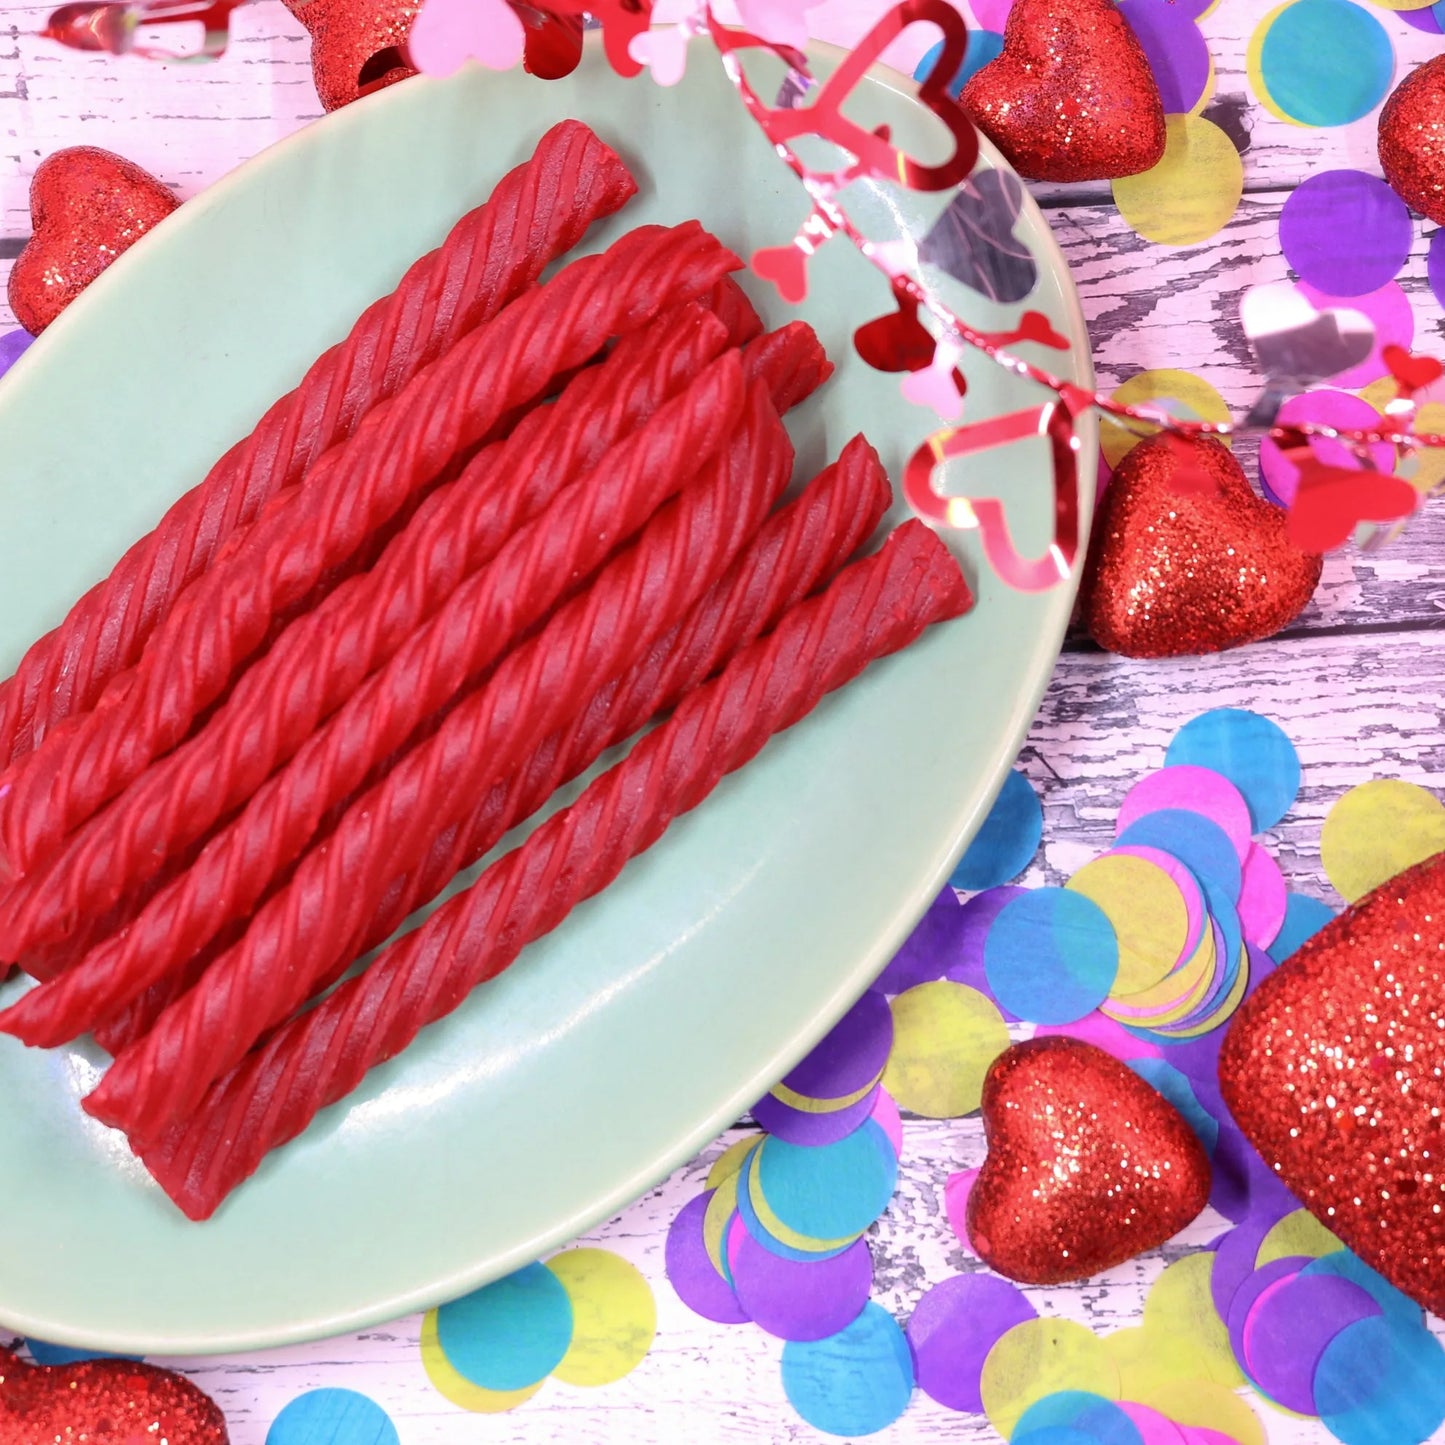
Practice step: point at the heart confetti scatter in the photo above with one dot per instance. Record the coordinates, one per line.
(1173, 573)
(87, 206)
(1071, 97)
(1087, 1165)
(1333, 1072)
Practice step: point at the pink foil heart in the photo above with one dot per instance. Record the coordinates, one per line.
(447, 33)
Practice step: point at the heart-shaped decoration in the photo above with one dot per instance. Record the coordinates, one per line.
(357, 46)
(899, 341)
(1175, 571)
(1297, 344)
(86, 207)
(1087, 1165)
(974, 240)
(1414, 373)
(447, 33)
(1333, 1071)
(1071, 96)
(1412, 140)
(1332, 501)
(104, 1402)
(786, 267)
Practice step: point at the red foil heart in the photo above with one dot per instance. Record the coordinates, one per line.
(1176, 569)
(1087, 1165)
(1412, 139)
(87, 206)
(104, 1402)
(357, 46)
(1071, 96)
(1333, 1070)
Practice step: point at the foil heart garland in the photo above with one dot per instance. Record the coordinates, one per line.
(1087, 1165)
(104, 1402)
(1071, 96)
(1176, 570)
(87, 206)
(1333, 1070)
(1412, 140)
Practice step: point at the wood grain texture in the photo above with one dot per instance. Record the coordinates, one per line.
(1359, 682)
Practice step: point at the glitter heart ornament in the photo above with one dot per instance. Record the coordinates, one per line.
(357, 46)
(104, 1402)
(1176, 570)
(1071, 96)
(1087, 1165)
(87, 206)
(1333, 1070)
(1412, 140)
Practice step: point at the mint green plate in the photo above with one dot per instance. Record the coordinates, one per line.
(620, 1045)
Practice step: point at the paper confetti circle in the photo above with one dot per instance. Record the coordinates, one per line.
(945, 1036)
(1345, 232)
(1051, 956)
(456, 1388)
(1304, 917)
(1377, 829)
(1006, 843)
(795, 1300)
(1176, 51)
(855, 1382)
(1388, 310)
(1320, 62)
(830, 1193)
(1147, 911)
(509, 1334)
(1194, 189)
(1180, 393)
(614, 1316)
(1381, 1382)
(1329, 408)
(332, 1417)
(1299, 1233)
(1038, 1358)
(1249, 749)
(699, 1285)
(954, 1326)
(1091, 1417)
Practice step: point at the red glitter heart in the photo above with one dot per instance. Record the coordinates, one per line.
(1087, 1165)
(86, 207)
(1071, 96)
(357, 46)
(103, 1402)
(1333, 1071)
(1176, 571)
(1412, 139)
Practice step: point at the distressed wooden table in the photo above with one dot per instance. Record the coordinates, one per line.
(1358, 682)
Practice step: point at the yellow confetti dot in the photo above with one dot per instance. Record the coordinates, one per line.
(806, 1104)
(1232, 1001)
(1180, 1308)
(720, 1210)
(1299, 1233)
(455, 1387)
(1192, 192)
(731, 1159)
(1254, 66)
(1150, 917)
(945, 1036)
(1375, 830)
(1188, 986)
(1037, 1358)
(1180, 393)
(614, 1316)
(1402, 4)
(1425, 466)
(1203, 1403)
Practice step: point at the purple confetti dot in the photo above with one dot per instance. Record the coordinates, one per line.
(1424, 19)
(797, 1301)
(699, 1286)
(1235, 1253)
(928, 950)
(13, 345)
(851, 1056)
(1243, 1183)
(1175, 48)
(1346, 232)
(1252, 1290)
(954, 1327)
(798, 1126)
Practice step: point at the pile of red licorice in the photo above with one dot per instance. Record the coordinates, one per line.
(500, 528)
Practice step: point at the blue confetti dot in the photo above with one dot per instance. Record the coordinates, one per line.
(1303, 918)
(332, 1417)
(855, 1382)
(983, 46)
(831, 1191)
(1199, 843)
(1394, 1303)
(510, 1334)
(1380, 1382)
(760, 1231)
(1252, 751)
(1326, 62)
(1051, 956)
(1008, 840)
(1097, 1419)
(44, 1353)
(1167, 1080)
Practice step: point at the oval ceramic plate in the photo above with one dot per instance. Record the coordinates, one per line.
(621, 1044)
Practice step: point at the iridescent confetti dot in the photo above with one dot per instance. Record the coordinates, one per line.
(1320, 62)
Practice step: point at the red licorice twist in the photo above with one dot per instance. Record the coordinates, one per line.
(873, 608)
(319, 916)
(357, 488)
(320, 660)
(538, 212)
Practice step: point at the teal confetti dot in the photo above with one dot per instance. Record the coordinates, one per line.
(1092, 1416)
(1051, 956)
(983, 46)
(1326, 62)
(1008, 840)
(1380, 1382)
(1197, 842)
(510, 1334)
(332, 1417)
(1303, 918)
(1395, 1304)
(829, 1191)
(44, 1353)
(855, 1382)
(1252, 751)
